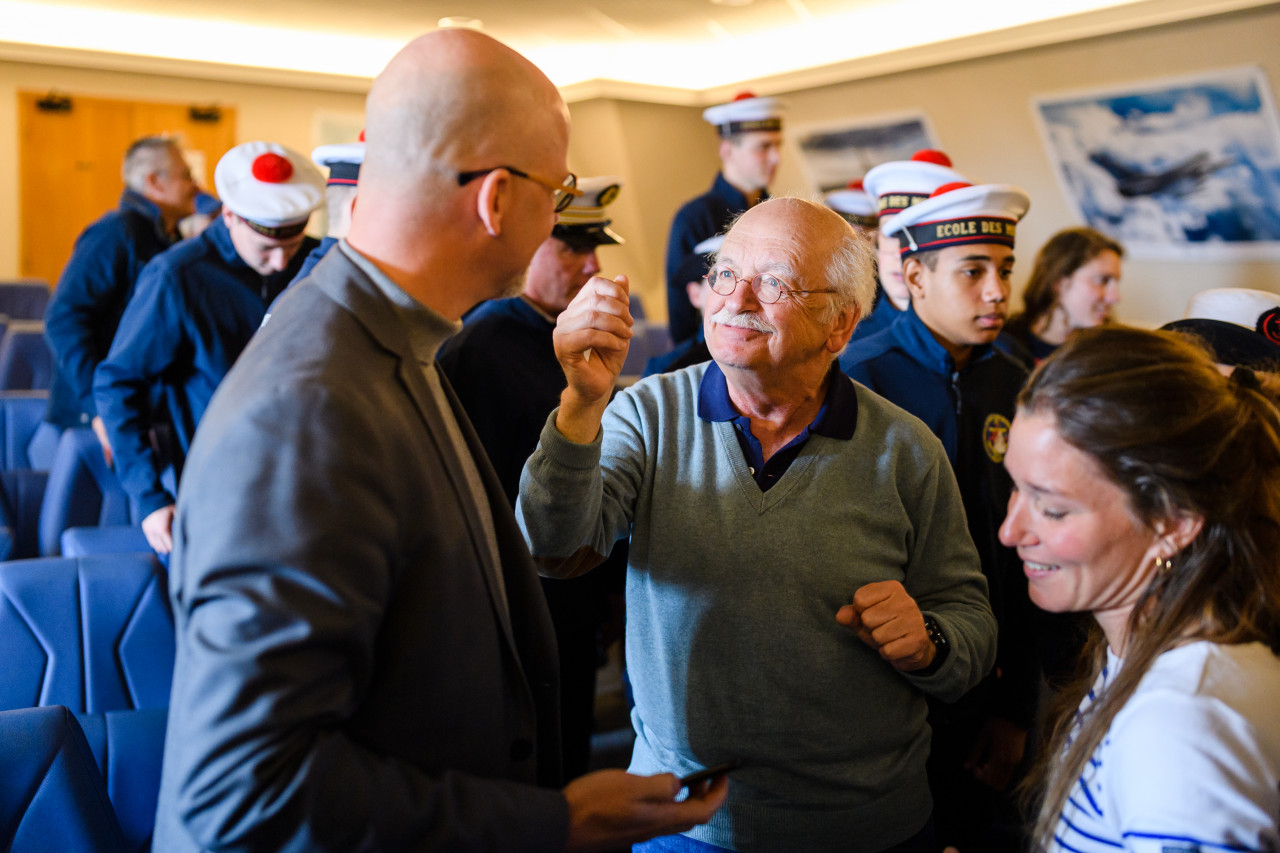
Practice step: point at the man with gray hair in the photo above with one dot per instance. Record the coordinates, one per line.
(364, 656)
(800, 574)
(85, 310)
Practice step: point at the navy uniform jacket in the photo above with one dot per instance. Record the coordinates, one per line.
(313, 257)
(702, 217)
(194, 310)
(883, 314)
(503, 367)
(85, 310)
(970, 411)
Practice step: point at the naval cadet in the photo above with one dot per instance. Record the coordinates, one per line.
(194, 310)
(99, 278)
(937, 362)
(750, 130)
(895, 186)
(343, 162)
(857, 206)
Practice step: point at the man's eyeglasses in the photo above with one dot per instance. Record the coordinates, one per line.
(565, 191)
(768, 288)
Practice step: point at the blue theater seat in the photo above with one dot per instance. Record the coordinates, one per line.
(81, 491)
(24, 298)
(107, 539)
(27, 440)
(92, 633)
(647, 340)
(52, 794)
(26, 361)
(128, 747)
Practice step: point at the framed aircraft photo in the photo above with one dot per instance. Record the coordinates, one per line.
(836, 152)
(1185, 167)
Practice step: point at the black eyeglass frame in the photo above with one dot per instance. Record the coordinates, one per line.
(783, 287)
(565, 191)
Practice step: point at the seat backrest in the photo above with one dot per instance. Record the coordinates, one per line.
(92, 633)
(81, 491)
(27, 440)
(23, 495)
(104, 539)
(26, 361)
(129, 746)
(52, 794)
(24, 299)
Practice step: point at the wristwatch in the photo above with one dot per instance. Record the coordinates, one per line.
(941, 646)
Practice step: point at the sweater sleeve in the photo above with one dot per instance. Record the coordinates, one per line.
(945, 578)
(569, 537)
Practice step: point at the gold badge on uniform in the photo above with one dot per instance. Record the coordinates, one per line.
(995, 437)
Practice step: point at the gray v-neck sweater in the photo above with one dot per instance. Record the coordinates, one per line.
(732, 645)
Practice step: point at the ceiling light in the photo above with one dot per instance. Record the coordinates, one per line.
(733, 2)
(462, 22)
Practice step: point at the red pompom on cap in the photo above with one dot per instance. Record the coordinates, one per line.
(855, 184)
(932, 155)
(361, 135)
(946, 188)
(744, 96)
(271, 168)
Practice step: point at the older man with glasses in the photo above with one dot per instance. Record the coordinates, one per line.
(800, 575)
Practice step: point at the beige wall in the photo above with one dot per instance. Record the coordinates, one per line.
(283, 115)
(982, 113)
(666, 155)
(980, 109)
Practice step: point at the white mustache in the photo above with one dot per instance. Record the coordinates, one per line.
(743, 320)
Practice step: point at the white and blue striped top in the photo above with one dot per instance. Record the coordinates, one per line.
(1191, 764)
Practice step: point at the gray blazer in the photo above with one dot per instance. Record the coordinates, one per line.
(346, 677)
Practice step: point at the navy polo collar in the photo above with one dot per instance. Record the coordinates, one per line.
(838, 417)
(920, 342)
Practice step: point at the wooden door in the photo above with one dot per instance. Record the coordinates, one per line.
(69, 165)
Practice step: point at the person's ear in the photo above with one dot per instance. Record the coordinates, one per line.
(913, 275)
(1176, 533)
(492, 200)
(845, 323)
(228, 217)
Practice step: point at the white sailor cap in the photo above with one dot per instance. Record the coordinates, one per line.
(1239, 325)
(584, 223)
(854, 203)
(744, 114)
(898, 184)
(343, 161)
(270, 187)
(959, 214)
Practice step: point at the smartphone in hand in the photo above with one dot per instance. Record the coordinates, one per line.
(710, 773)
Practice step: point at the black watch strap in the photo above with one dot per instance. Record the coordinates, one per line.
(941, 645)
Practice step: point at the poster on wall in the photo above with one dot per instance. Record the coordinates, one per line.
(834, 153)
(1185, 167)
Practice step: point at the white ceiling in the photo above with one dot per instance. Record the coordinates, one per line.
(677, 51)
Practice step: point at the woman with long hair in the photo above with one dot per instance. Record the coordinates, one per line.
(1074, 285)
(1147, 492)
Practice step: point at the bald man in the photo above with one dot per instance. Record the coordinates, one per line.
(364, 656)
